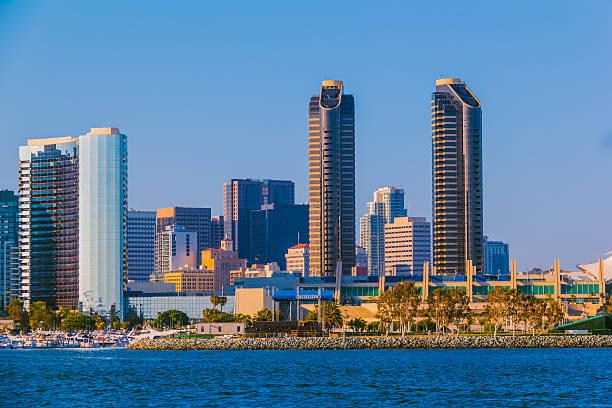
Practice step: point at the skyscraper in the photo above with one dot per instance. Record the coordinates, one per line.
(140, 245)
(9, 260)
(175, 248)
(240, 197)
(49, 222)
(193, 219)
(457, 177)
(274, 229)
(102, 220)
(407, 245)
(388, 203)
(331, 180)
(497, 257)
(216, 231)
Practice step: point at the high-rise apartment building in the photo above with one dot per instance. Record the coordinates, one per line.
(274, 229)
(497, 257)
(9, 260)
(457, 177)
(407, 245)
(298, 259)
(102, 220)
(49, 222)
(72, 220)
(240, 197)
(175, 248)
(216, 231)
(140, 245)
(331, 180)
(388, 203)
(193, 219)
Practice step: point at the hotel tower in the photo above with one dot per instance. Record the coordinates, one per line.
(331, 180)
(457, 178)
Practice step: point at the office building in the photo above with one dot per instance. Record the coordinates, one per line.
(457, 178)
(331, 180)
(388, 203)
(497, 257)
(9, 259)
(102, 220)
(222, 261)
(191, 280)
(193, 219)
(255, 271)
(274, 229)
(216, 231)
(49, 222)
(361, 256)
(175, 248)
(240, 197)
(407, 245)
(140, 245)
(297, 259)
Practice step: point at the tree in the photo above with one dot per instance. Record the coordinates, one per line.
(171, 318)
(385, 310)
(331, 315)
(357, 324)
(16, 312)
(133, 317)
(263, 315)
(554, 314)
(76, 321)
(279, 315)
(40, 316)
(242, 318)
(440, 308)
(222, 301)
(100, 323)
(215, 300)
(460, 307)
(212, 316)
(495, 310)
(536, 310)
(405, 299)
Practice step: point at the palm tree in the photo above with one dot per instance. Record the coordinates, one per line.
(222, 301)
(215, 300)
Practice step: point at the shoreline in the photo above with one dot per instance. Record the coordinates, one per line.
(378, 343)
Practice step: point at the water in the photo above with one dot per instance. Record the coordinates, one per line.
(473, 378)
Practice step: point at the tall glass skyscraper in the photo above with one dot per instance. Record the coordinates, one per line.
(387, 205)
(497, 257)
(49, 222)
(240, 197)
(331, 180)
(457, 177)
(9, 260)
(102, 220)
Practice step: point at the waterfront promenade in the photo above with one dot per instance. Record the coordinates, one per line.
(355, 343)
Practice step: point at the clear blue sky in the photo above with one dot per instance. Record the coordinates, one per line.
(207, 91)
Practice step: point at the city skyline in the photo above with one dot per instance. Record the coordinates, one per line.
(533, 155)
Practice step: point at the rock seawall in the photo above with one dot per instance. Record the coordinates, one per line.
(356, 343)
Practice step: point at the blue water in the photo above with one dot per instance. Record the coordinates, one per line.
(365, 378)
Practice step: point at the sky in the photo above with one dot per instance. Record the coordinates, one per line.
(208, 91)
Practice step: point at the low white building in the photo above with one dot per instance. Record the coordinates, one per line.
(298, 258)
(220, 329)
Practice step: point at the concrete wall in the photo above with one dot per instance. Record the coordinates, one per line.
(251, 300)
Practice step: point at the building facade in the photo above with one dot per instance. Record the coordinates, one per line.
(297, 259)
(193, 219)
(102, 220)
(140, 245)
(407, 245)
(49, 222)
(191, 280)
(222, 261)
(240, 197)
(331, 180)
(216, 231)
(274, 229)
(388, 203)
(9, 259)
(457, 178)
(497, 257)
(175, 248)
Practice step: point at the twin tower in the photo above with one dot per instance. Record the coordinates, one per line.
(456, 178)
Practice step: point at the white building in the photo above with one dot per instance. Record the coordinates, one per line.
(102, 219)
(298, 259)
(388, 203)
(407, 245)
(175, 248)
